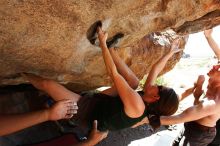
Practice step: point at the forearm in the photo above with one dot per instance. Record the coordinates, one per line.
(214, 46)
(191, 114)
(124, 70)
(187, 93)
(196, 101)
(13, 123)
(170, 120)
(109, 63)
(157, 68)
(185, 116)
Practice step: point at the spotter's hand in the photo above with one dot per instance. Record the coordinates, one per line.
(64, 109)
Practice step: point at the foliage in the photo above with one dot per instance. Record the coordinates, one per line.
(160, 81)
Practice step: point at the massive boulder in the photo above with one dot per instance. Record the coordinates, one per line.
(51, 37)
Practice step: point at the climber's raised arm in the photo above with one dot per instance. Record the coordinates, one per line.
(133, 103)
(160, 64)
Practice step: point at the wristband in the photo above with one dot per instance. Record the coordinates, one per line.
(154, 121)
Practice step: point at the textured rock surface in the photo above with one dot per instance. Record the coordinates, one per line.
(49, 37)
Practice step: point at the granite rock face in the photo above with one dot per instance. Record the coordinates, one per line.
(51, 37)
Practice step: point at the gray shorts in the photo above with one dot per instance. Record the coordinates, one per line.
(194, 134)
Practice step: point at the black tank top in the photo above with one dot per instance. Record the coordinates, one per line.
(110, 114)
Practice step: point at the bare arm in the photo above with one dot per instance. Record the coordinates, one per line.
(160, 64)
(212, 43)
(196, 90)
(16, 122)
(8, 122)
(124, 71)
(186, 93)
(132, 101)
(94, 138)
(191, 114)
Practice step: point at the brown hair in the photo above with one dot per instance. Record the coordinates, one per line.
(167, 104)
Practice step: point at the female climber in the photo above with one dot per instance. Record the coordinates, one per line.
(120, 106)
